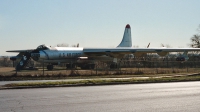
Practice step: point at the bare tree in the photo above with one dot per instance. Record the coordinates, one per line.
(195, 41)
(75, 45)
(198, 29)
(166, 45)
(62, 45)
(135, 46)
(4, 61)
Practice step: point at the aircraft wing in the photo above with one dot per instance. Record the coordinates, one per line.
(133, 50)
(21, 51)
(106, 51)
(115, 51)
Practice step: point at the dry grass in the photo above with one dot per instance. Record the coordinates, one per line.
(9, 71)
(103, 81)
(6, 69)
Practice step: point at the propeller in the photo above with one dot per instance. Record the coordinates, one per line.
(162, 45)
(148, 45)
(77, 45)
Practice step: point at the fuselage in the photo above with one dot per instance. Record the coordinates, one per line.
(64, 55)
(57, 54)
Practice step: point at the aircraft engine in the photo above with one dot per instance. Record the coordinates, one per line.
(139, 54)
(13, 58)
(162, 53)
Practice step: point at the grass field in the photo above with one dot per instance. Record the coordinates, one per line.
(102, 82)
(60, 73)
(128, 75)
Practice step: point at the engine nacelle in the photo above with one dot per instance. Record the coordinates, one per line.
(13, 58)
(162, 53)
(139, 54)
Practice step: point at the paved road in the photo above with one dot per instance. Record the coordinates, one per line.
(181, 96)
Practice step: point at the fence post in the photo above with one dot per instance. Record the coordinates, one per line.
(43, 67)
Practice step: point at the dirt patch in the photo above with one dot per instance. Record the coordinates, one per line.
(6, 69)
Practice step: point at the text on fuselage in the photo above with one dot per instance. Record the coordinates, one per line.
(69, 54)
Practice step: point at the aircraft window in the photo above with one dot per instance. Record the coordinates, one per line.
(42, 47)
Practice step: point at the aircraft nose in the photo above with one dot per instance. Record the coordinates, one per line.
(35, 56)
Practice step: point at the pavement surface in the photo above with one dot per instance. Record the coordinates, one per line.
(153, 97)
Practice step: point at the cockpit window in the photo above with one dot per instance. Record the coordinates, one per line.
(42, 47)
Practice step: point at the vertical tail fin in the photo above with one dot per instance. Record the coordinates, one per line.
(126, 41)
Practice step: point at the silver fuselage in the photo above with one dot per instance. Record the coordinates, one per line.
(65, 55)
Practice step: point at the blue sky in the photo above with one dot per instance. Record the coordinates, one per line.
(25, 24)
